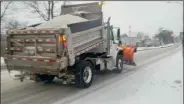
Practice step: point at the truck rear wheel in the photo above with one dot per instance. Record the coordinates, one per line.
(119, 64)
(83, 74)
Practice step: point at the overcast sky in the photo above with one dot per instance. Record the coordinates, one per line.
(143, 16)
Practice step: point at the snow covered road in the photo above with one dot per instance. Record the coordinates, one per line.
(159, 83)
(109, 87)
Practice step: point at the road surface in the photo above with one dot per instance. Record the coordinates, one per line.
(29, 92)
(158, 83)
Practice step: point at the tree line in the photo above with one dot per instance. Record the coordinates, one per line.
(166, 36)
(45, 10)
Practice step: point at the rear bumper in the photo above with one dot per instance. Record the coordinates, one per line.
(35, 66)
(30, 70)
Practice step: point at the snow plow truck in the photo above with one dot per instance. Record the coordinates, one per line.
(70, 47)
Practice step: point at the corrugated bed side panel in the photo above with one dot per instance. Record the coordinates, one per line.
(86, 35)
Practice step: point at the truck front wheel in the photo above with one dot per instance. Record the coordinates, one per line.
(119, 64)
(83, 74)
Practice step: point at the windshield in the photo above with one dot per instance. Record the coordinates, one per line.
(114, 34)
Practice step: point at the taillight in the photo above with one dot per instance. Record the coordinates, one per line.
(62, 39)
(65, 44)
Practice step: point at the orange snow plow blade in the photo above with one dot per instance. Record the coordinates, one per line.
(128, 54)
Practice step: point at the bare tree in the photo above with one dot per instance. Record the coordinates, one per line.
(35, 6)
(12, 24)
(160, 29)
(15, 24)
(4, 8)
(45, 9)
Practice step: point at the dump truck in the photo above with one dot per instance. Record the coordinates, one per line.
(71, 47)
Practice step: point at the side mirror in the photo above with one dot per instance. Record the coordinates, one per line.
(108, 19)
(118, 36)
(118, 33)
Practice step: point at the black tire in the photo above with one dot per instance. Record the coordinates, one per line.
(47, 78)
(80, 70)
(135, 50)
(119, 66)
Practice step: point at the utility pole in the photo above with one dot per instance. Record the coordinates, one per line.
(130, 35)
(130, 30)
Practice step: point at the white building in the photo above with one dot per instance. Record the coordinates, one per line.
(129, 40)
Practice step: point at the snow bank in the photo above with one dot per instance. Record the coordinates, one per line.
(149, 48)
(2, 61)
(3, 65)
(146, 48)
(169, 45)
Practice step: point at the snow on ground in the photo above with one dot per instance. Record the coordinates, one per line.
(168, 45)
(2, 61)
(148, 48)
(158, 83)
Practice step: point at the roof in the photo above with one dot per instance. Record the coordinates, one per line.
(61, 21)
